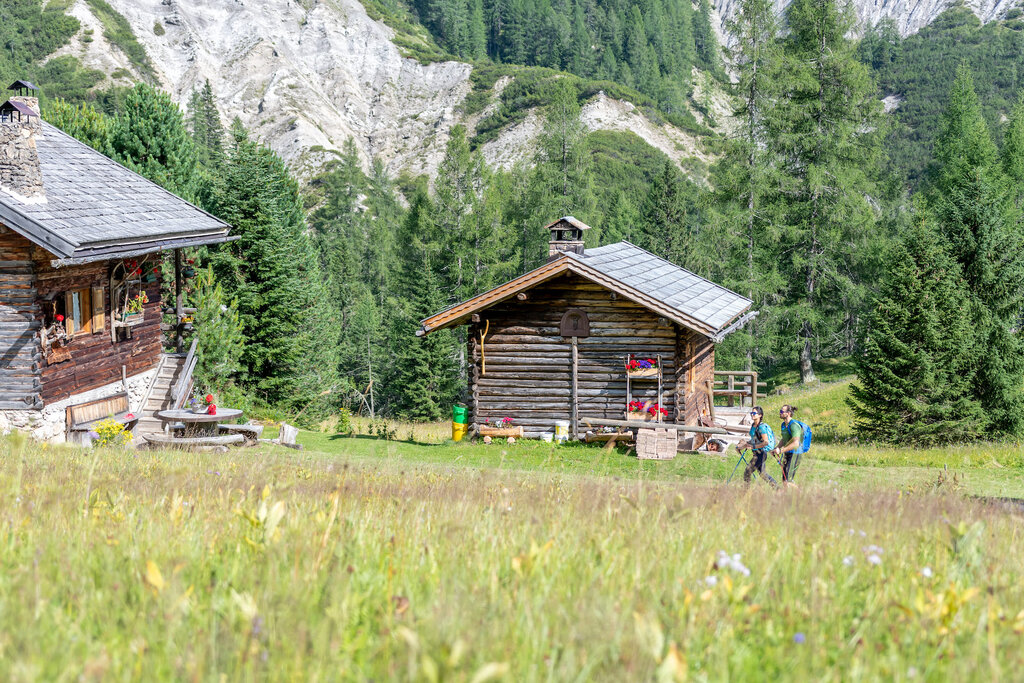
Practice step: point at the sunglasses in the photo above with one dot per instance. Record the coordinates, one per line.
(754, 412)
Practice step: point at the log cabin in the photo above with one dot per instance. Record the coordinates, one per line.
(80, 255)
(554, 344)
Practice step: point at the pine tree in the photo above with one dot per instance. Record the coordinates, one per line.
(290, 325)
(205, 125)
(704, 39)
(743, 214)
(978, 218)
(622, 220)
(81, 122)
(149, 137)
(561, 183)
(917, 356)
(1013, 150)
(825, 132)
(425, 366)
(219, 330)
(664, 228)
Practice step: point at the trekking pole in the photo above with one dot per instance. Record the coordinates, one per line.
(743, 458)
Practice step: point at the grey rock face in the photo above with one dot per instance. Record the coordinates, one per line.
(910, 16)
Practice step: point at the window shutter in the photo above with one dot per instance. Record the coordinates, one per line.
(69, 318)
(97, 310)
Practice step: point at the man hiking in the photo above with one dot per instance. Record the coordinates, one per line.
(791, 443)
(762, 440)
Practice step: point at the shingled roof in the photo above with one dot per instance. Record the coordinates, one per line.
(632, 272)
(96, 209)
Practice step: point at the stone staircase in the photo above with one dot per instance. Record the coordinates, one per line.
(171, 367)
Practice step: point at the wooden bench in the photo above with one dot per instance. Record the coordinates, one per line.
(250, 432)
(198, 443)
(82, 418)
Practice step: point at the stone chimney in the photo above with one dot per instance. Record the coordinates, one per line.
(566, 237)
(20, 175)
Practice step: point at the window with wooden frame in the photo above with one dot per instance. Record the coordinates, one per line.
(83, 311)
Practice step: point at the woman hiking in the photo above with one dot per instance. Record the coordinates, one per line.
(762, 440)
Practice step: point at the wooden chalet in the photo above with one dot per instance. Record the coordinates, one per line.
(553, 344)
(80, 240)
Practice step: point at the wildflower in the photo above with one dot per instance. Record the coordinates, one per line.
(711, 580)
(926, 572)
(799, 638)
(848, 561)
(94, 435)
(874, 559)
(873, 549)
(912, 672)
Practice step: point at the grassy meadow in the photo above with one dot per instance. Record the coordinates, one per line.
(360, 558)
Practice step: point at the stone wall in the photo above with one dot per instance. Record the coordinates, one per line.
(20, 174)
(48, 424)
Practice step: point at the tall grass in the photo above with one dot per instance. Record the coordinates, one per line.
(259, 564)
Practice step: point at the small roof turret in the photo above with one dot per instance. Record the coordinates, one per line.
(21, 87)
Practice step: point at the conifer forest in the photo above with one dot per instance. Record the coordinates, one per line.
(894, 236)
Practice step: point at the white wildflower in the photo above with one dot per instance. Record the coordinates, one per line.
(711, 580)
(926, 572)
(874, 559)
(848, 560)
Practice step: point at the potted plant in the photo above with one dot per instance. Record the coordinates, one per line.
(152, 275)
(202, 405)
(645, 411)
(190, 269)
(642, 367)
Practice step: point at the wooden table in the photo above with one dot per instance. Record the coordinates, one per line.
(202, 430)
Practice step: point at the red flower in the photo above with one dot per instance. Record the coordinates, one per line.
(60, 318)
(156, 271)
(129, 416)
(209, 398)
(212, 410)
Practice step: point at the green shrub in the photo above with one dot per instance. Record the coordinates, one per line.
(158, 28)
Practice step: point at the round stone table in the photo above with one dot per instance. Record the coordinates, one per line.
(199, 424)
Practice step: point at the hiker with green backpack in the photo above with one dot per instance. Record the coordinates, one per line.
(794, 441)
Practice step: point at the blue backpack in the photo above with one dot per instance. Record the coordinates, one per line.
(764, 430)
(805, 445)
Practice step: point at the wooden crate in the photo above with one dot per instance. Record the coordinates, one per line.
(656, 444)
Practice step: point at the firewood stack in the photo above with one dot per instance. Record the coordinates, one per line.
(656, 444)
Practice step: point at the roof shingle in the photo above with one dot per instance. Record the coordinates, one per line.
(96, 206)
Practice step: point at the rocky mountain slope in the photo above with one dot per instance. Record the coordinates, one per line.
(910, 16)
(305, 76)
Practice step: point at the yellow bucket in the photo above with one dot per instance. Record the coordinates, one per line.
(458, 431)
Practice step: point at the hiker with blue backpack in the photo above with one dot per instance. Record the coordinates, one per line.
(762, 440)
(794, 441)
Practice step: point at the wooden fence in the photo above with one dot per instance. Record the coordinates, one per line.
(743, 385)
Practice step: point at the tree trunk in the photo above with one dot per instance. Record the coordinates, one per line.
(806, 367)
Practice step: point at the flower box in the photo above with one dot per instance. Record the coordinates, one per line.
(643, 372)
(641, 417)
(201, 410)
(517, 432)
(132, 319)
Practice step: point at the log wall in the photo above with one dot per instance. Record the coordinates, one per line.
(26, 280)
(529, 365)
(20, 384)
(95, 360)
